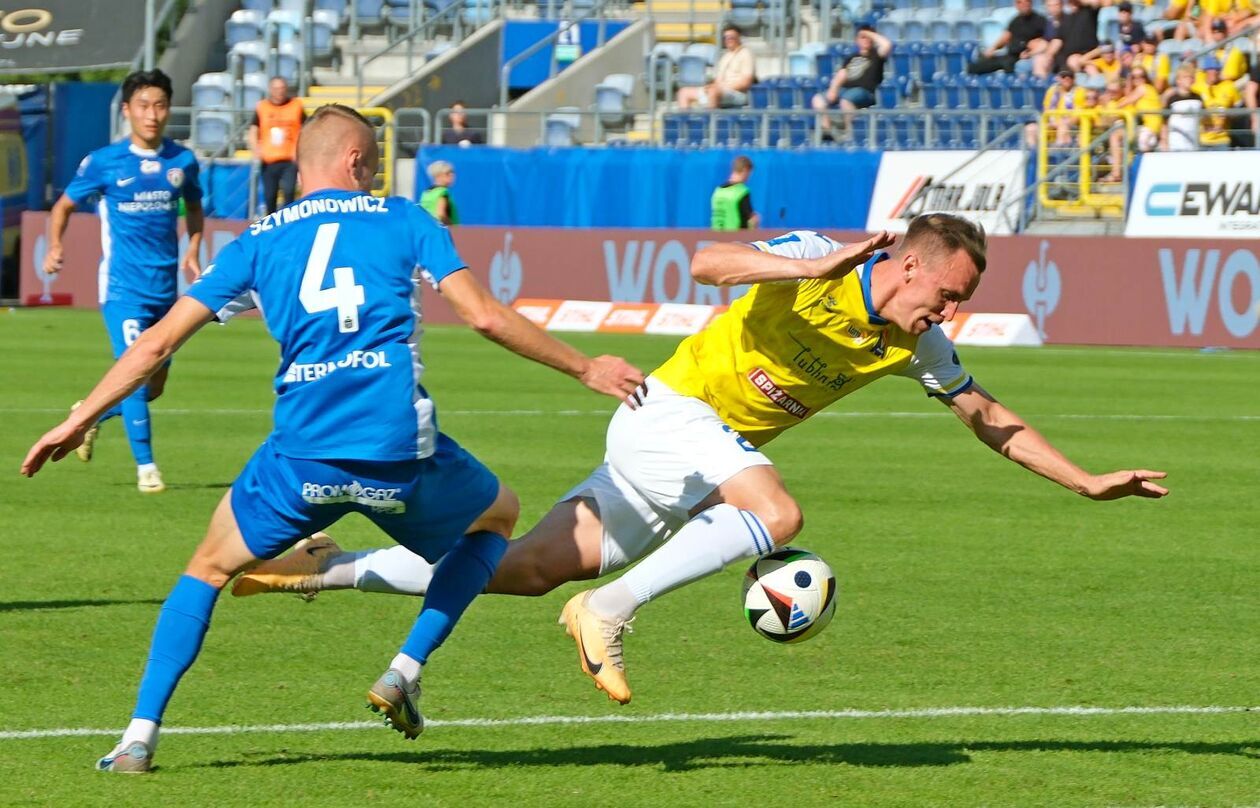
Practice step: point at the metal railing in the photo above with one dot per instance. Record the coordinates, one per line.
(422, 28)
(598, 10)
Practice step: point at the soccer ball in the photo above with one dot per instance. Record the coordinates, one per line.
(789, 595)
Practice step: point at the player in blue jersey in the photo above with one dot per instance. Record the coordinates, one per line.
(138, 184)
(337, 274)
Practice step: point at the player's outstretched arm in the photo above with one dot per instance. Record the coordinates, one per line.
(133, 368)
(474, 304)
(1009, 435)
(730, 263)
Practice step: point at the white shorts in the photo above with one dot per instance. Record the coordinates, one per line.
(662, 460)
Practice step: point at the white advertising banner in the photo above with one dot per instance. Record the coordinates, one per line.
(977, 185)
(1213, 194)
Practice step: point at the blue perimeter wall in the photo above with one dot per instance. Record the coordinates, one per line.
(644, 187)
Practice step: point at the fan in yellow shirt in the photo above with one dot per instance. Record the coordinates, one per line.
(683, 458)
(1218, 94)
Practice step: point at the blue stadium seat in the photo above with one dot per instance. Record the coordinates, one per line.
(253, 57)
(792, 130)
(370, 12)
(695, 129)
(253, 89)
(956, 56)
(965, 29)
(244, 25)
(561, 127)
(940, 30)
(890, 29)
(759, 96)
(901, 56)
(786, 94)
(860, 131)
(212, 130)
(324, 24)
(931, 95)
(973, 95)
(914, 29)
(1021, 95)
(671, 130)
(925, 61)
(612, 97)
(994, 94)
(213, 90)
(886, 95)
(827, 64)
(951, 91)
(978, 5)
(691, 70)
(341, 7)
(257, 5)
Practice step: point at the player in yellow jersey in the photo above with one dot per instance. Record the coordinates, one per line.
(684, 459)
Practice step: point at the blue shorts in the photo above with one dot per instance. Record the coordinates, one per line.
(424, 505)
(126, 321)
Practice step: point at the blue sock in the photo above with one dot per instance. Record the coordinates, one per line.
(461, 575)
(181, 627)
(135, 412)
(112, 412)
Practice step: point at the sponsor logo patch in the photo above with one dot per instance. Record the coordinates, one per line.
(762, 381)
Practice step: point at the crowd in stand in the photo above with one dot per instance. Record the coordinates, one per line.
(1154, 78)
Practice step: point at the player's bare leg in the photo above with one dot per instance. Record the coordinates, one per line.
(181, 626)
(745, 516)
(564, 546)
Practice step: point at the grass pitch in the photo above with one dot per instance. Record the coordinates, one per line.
(964, 582)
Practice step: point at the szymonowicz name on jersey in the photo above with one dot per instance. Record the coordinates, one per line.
(309, 372)
(309, 207)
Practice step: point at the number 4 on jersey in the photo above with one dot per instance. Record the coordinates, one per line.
(345, 295)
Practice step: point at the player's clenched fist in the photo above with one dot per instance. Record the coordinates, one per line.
(53, 259)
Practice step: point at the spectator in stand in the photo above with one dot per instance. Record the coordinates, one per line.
(437, 200)
(1131, 31)
(1156, 65)
(735, 72)
(1142, 101)
(1043, 48)
(1218, 94)
(854, 84)
(1251, 95)
(1233, 60)
(731, 204)
(1182, 12)
(1184, 108)
(458, 133)
(1061, 96)
(1012, 45)
(272, 137)
(1233, 15)
(1078, 34)
(1102, 61)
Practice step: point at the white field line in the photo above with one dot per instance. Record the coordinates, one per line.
(844, 414)
(659, 718)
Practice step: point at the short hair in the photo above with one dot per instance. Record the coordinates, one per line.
(146, 78)
(734, 28)
(338, 111)
(949, 233)
(439, 167)
(458, 102)
(281, 78)
(742, 163)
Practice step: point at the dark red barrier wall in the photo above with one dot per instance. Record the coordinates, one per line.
(1103, 291)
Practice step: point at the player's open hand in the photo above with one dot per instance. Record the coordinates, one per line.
(1119, 484)
(612, 376)
(53, 259)
(58, 442)
(842, 262)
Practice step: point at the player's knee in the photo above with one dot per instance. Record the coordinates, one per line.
(783, 518)
(208, 572)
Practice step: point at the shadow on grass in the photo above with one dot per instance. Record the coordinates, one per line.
(45, 605)
(741, 752)
(183, 486)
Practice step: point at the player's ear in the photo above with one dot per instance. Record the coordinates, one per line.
(909, 265)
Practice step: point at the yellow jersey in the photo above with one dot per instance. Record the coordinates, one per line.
(787, 349)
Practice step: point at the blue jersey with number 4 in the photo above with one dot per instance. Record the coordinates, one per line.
(337, 276)
(139, 192)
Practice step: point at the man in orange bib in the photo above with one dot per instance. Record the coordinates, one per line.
(273, 136)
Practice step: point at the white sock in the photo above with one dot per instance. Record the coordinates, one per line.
(144, 467)
(143, 730)
(408, 667)
(706, 544)
(394, 570)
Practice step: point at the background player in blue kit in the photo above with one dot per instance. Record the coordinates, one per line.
(338, 275)
(139, 182)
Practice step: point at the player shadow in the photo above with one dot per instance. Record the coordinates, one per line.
(743, 752)
(185, 486)
(46, 605)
